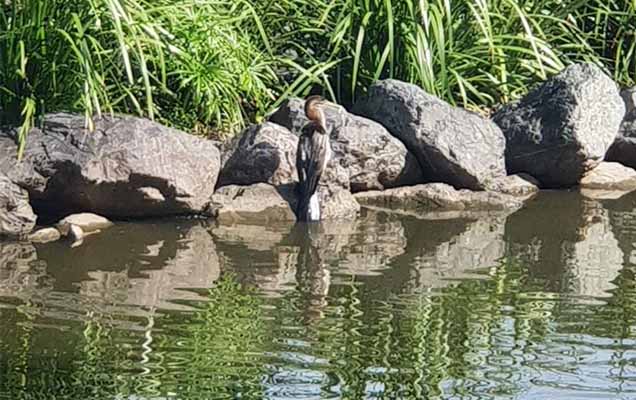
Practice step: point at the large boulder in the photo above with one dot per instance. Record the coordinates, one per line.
(453, 145)
(372, 157)
(264, 153)
(623, 150)
(125, 167)
(564, 127)
(16, 215)
(438, 200)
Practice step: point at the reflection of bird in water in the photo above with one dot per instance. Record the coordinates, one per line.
(312, 274)
(312, 157)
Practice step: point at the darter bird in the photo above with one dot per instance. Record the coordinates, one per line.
(312, 157)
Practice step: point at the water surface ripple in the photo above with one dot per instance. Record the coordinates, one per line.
(537, 304)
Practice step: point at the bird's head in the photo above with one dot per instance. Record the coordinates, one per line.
(314, 110)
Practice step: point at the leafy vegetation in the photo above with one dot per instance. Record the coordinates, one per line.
(210, 66)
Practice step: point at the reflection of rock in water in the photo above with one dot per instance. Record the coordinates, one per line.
(194, 265)
(568, 241)
(258, 255)
(377, 239)
(595, 260)
(536, 234)
(441, 251)
(268, 256)
(622, 214)
(21, 274)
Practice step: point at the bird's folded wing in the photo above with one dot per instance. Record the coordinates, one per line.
(311, 160)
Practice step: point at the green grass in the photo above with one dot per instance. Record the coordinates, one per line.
(212, 66)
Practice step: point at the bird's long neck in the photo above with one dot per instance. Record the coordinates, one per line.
(321, 121)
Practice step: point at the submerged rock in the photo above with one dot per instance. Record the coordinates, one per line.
(371, 156)
(608, 181)
(264, 153)
(438, 200)
(452, 145)
(45, 235)
(87, 221)
(126, 167)
(563, 128)
(16, 215)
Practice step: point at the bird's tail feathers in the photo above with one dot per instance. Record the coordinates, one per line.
(308, 207)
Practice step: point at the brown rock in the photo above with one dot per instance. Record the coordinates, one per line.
(16, 215)
(372, 158)
(609, 180)
(438, 200)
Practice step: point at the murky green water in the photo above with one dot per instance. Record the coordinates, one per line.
(539, 304)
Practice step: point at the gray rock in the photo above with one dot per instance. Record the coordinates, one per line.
(608, 181)
(86, 221)
(519, 185)
(372, 157)
(264, 153)
(16, 215)
(623, 150)
(453, 145)
(264, 203)
(438, 201)
(629, 97)
(126, 167)
(45, 235)
(260, 202)
(336, 200)
(564, 127)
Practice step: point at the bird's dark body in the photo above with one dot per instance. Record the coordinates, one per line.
(311, 159)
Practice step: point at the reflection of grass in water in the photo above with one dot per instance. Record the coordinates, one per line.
(422, 346)
(414, 346)
(219, 346)
(225, 342)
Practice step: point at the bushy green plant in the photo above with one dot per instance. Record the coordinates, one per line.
(188, 63)
(214, 65)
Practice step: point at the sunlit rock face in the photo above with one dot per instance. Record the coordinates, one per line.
(16, 215)
(452, 145)
(263, 153)
(257, 203)
(125, 167)
(372, 158)
(561, 130)
(623, 150)
(461, 248)
(609, 180)
(439, 201)
(593, 261)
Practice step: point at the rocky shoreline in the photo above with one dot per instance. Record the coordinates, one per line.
(400, 149)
